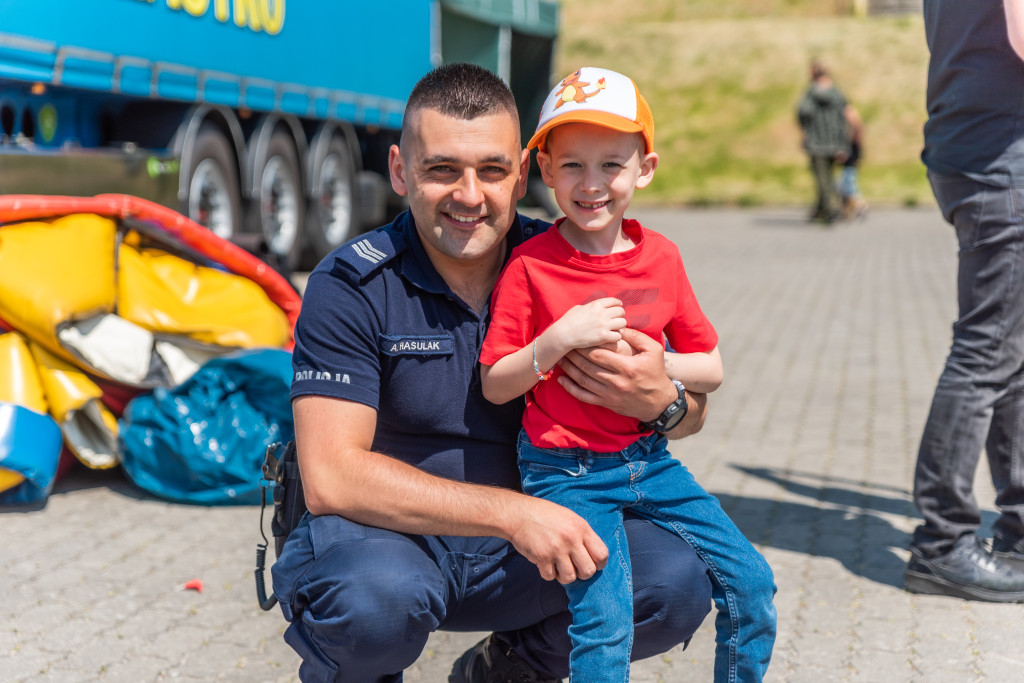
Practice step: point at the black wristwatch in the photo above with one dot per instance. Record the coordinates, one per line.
(671, 416)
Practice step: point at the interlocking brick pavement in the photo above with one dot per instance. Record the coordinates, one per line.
(832, 339)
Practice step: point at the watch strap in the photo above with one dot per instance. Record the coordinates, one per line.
(672, 415)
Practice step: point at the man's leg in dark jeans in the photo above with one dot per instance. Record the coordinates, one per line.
(977, 399)
(362, 601)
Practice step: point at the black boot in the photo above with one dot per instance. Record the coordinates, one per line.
(1008, 551)
(493, 661)
(967, 571)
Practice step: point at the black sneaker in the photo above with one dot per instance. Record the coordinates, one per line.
(492, 661)
(1009, 552)
(967, 571)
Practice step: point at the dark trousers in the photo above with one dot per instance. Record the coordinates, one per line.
(827, 205)
(979, 400)
(362, 601)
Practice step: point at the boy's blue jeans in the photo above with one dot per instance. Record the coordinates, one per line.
(646, 480)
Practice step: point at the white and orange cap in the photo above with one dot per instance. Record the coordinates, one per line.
(599, 96)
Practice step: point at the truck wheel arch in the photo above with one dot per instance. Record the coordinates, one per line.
(184, 140)
(319, 146)
(277, 151)
(333, 212)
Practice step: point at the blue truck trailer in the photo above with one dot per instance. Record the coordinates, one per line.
(268, 121)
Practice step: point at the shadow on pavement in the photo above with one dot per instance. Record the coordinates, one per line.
(787, 220)
(842, 519)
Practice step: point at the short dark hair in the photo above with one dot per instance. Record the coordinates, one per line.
(462, 91)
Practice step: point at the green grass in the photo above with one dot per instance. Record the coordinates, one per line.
(723, 79)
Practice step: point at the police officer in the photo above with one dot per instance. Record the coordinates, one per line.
(415, 520)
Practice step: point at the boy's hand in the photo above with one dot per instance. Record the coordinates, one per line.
(592, 324)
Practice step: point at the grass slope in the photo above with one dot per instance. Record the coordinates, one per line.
(723, 79)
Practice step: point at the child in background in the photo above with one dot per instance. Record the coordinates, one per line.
(576, 286)
(854, 204)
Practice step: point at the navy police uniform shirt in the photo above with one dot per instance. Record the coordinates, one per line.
(379, 326)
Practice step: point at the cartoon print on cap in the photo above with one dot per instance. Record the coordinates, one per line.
(572, 89)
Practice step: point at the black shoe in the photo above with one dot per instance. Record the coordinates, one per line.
(967, 571)
(492, 661)
(1009, 552)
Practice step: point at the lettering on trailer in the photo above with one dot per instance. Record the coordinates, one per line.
(265, 16)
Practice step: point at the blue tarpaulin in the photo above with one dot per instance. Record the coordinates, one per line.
(204, 440)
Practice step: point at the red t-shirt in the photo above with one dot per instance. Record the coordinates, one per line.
(545, 277)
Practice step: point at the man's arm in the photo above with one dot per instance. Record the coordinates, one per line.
(636, 386)
(1015, 24)
(342, 475)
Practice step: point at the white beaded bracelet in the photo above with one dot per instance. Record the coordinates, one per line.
(536, 368)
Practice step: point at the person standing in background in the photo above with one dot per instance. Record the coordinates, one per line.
(854, 204)
(822, 117)
(974, 151)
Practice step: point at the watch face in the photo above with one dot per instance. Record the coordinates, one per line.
(675, 418)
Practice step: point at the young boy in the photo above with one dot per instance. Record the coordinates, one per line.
(575, 286)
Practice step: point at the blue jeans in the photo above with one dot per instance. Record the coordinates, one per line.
(849, 187)
(362, 601)
(644, 479)
(979, 400)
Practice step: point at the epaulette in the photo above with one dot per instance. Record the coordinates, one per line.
(368, 253)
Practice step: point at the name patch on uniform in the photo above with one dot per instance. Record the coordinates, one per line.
(435, 345)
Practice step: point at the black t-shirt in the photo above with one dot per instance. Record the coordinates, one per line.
(975, 93)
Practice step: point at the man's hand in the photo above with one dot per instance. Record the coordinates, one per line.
(632, 385)
(558, 541)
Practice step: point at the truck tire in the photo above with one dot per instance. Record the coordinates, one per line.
(333, 217)
(278, 203)
(214, 199)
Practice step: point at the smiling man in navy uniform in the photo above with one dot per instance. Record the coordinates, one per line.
(415, 521)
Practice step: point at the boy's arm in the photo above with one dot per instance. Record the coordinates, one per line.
(699, 372)
(583, 326)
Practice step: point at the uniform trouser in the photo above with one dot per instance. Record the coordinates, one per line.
(646, 480)
(979, 400)
(827, 202)
(362, 601)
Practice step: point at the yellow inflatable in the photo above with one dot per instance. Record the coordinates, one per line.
(107, 297)
(20, 385)
(146, 318)
(90, 429)
(166, 294)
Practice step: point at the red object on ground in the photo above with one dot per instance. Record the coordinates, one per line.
(193, 585)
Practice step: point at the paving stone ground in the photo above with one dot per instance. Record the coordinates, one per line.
(832, 338)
